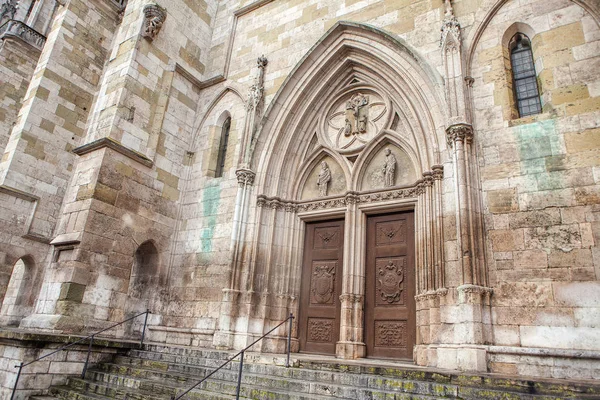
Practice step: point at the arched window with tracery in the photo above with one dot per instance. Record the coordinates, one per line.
(525, 86)
(222, 154)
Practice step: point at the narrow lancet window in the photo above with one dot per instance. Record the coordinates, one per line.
(526, 90)
(223, 148)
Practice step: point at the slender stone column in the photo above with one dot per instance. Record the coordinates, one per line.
(351, 343)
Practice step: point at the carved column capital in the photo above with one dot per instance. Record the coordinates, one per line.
(459, 133)
(437, 172)
(245, 177)
(154, 18)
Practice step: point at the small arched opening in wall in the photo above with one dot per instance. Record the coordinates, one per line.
(20, 292)
(144, 281)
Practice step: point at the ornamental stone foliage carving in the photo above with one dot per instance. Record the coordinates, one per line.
(245, 177)
(354, 119)
(459, 132)
(154, 18)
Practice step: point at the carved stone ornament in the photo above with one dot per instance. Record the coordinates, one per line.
(154, 18)
(450, 27)
(459, 133)
(255, 94)
(245, 177)
(390, 278)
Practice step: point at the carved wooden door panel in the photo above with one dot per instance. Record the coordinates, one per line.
(319, 322)
(390, 323)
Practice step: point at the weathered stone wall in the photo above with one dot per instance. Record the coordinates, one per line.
(540, 184)
(17, 62)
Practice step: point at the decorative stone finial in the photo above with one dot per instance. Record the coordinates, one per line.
(154, 18)
(450, 26)
(255, 94)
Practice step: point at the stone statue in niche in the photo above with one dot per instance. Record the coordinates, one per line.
(357, 114)
(154, 18)
(323, 179)
(389, 169)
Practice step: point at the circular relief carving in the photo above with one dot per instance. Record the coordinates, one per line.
(355, 118)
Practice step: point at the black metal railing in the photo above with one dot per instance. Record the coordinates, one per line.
(241, 354)
(91, 337)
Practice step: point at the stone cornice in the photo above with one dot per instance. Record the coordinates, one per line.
(116, 146)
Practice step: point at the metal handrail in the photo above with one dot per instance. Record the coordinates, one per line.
(241, 354)
(91, 337)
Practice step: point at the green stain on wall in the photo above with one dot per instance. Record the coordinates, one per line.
(539, 142)
(211, 196)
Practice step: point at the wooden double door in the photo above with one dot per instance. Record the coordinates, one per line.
(389, 324)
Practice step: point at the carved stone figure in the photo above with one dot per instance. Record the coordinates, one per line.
(154, 18)
(357, 114)
(323, 179)
(8, 10)
(389, 169)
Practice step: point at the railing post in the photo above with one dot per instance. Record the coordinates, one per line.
(144, 330)
(239, 383)
(12, 396)
(87, 359)
(289, 341)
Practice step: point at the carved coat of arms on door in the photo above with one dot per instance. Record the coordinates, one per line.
(389, 281)
(323, 283)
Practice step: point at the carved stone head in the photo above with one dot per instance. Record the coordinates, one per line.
(154, 18)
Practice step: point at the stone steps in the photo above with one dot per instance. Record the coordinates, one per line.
(157, 372)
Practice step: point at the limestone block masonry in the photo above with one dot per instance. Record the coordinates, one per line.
(174, 155)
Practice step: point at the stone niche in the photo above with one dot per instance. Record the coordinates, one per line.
(373, 178)
(337, 185)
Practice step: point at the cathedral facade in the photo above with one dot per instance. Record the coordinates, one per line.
(414, 180)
